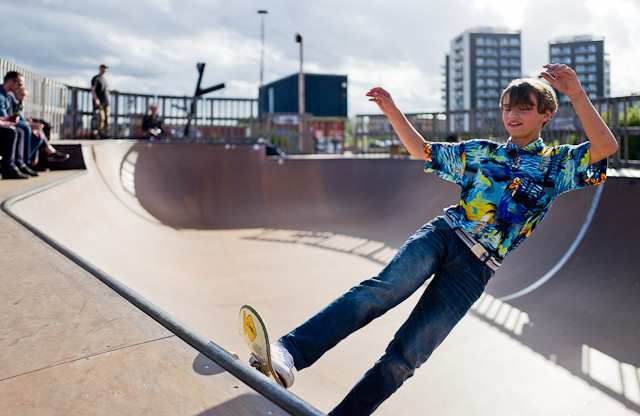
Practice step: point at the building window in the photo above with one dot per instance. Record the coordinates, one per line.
(560, 50)
(510, 62)
(565, 59)
(586, 49)
(585, 58)
(486, 62)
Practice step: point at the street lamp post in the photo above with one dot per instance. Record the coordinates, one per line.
(262, 13)
(301, 103)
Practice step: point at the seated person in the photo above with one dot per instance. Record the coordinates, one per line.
(31, 142)
(38, 135)
(8, 144)
(12, 138)
(152, 126)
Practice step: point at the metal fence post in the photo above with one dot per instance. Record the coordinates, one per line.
(72, 111)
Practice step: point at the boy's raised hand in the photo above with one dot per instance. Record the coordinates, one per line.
(562, 78)
(383, 99)
(602, 142)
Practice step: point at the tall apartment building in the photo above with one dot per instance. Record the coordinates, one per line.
(482, 61)
(585, 54)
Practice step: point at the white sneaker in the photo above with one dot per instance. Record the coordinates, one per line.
(282, 362)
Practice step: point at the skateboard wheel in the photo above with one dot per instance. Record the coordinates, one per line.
(253, 362)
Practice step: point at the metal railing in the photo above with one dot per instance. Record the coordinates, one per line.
(215, 120)
(214, 117)
(373, 132)
(70, 110)
(47, 98)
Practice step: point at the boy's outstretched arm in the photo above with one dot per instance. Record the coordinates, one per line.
(565, 80)
(411, 139)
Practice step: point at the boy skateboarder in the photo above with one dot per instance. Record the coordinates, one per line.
(507, 189)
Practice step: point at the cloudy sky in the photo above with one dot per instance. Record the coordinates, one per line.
(153, 46)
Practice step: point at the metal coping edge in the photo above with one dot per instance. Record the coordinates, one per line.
(248, 375)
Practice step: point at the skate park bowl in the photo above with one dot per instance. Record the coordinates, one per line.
(197, 230)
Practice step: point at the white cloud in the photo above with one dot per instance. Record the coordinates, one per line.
(411, 88)
(153, 46)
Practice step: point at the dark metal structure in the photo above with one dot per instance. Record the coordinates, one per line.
(196, 96)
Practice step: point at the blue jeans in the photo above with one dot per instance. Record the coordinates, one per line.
(31, 142)
(459, 280)
(11, 148)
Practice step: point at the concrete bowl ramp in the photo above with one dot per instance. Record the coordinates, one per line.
(198, 230)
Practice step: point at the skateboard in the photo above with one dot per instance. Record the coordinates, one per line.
(254, 333)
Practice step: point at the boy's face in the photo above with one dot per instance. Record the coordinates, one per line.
(21, 95)
(522, 121)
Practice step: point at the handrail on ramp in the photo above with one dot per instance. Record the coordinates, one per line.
(245, 373)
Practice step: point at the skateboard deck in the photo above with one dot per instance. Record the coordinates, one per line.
(254, 333)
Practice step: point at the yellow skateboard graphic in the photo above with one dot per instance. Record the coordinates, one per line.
(253, 332)
(249, 326)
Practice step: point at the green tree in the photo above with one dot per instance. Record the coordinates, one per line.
(633, 116)
(633, 120)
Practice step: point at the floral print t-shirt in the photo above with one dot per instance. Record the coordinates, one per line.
(506, 191)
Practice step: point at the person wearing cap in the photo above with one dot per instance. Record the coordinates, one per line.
(100, 93)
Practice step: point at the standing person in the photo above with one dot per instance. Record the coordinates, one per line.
(100, 93)
(507, 189)
(13, 141)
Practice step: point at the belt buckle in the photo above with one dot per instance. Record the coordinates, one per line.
(479, 251)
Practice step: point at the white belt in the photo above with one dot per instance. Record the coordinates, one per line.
(476, 248)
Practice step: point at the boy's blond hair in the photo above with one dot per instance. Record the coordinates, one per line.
(519, 92)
